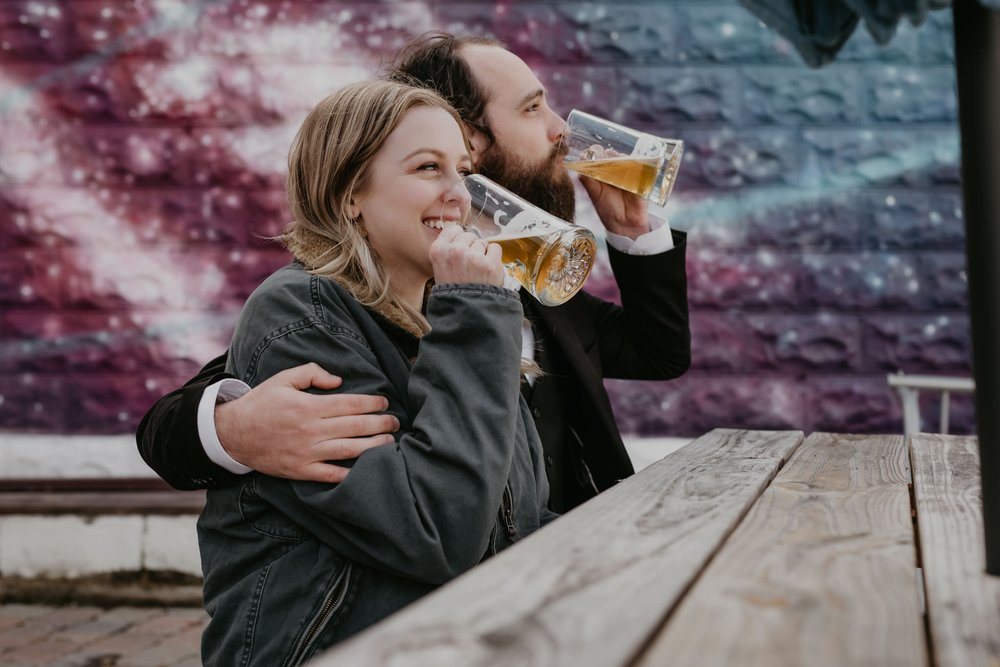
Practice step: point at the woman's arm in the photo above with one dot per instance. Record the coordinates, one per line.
(425, 507)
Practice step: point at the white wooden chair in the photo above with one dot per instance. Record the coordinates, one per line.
(909, 386)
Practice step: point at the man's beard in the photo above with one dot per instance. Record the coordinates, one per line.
(546, 185)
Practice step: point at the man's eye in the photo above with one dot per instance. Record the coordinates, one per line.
(533, 107)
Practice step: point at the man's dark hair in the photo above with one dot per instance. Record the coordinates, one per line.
(432, 61)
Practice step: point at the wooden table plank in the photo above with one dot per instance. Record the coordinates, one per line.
(590, 588)
(963, 602)
(821, 572)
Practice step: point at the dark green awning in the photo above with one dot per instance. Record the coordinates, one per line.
(819, 28)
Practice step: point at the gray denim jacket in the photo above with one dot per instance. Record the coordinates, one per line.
(293, 567)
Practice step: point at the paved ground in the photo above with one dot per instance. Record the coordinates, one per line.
(81, 636)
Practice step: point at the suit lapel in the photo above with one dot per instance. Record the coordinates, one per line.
(560, 328)
(594, 420)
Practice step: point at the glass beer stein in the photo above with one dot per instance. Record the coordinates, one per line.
(550, 257)
(614, 154)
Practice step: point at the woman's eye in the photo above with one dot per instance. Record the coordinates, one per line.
(428, 166)
(465, 171)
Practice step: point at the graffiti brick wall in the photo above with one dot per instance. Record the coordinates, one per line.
(142, 151)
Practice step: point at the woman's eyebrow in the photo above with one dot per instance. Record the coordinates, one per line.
(464, 157)
(425, 150)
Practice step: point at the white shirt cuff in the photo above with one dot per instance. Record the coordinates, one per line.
(658, 239)
(220, 392)
(510, 282)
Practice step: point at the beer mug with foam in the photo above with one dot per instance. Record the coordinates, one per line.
(614, 154)
(550, 257)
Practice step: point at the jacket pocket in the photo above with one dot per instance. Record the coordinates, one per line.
(332, 602)
(263, 518)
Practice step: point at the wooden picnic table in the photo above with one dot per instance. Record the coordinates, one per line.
(741, 548)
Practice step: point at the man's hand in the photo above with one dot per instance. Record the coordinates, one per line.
(621, 212)
(278, 429)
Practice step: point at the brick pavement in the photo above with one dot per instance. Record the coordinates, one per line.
(84, 636)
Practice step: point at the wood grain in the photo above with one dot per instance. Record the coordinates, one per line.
(821, 571)
(963, 602)
(591, 587)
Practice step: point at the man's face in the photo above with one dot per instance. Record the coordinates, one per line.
(524, 157)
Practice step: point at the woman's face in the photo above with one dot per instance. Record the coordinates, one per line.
(410, 191)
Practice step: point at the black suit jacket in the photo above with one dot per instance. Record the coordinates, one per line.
(646, 338)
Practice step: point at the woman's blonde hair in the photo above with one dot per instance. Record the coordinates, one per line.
(329, 163)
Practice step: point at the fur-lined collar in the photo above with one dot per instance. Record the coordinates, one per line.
(313, 251)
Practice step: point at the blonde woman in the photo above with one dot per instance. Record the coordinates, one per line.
(293, 567)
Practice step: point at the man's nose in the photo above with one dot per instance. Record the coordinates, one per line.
(556, 127)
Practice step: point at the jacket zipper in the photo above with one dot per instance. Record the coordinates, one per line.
(332, 603)
(507, 507)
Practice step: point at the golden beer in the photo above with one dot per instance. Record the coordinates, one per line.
(633, 161)
(552, 268)
(628, 173)
(550, 257)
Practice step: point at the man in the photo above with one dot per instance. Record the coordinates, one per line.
(196, 437)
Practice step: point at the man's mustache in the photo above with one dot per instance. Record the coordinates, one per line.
(558, 152)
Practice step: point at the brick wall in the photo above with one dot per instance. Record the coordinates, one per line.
(142, 148)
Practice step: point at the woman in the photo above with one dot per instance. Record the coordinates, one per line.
(293, 567)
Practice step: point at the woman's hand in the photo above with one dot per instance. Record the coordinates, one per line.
(458, 256)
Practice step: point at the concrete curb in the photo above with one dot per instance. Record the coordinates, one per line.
(133, 589)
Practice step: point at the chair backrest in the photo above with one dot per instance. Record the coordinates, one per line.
(909, 386)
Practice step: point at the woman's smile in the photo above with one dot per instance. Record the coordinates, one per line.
(414, 177)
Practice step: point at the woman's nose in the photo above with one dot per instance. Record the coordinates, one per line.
(458, 195)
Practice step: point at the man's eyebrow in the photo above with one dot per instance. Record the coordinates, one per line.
(531, 96)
